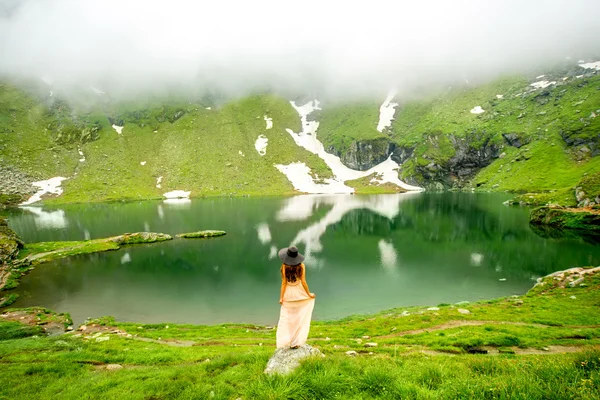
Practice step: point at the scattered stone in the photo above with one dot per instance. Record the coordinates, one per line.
(113, 367)
(476, 350)
(545, 349)
(433, 309)
(576, 282)
(351, 353)
(102, 338)
(366, 337)
(371, 344)
(405, 313)
(464, 311)
(573, 297)
(286, 359)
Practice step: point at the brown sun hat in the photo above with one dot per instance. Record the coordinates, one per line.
(290, 256)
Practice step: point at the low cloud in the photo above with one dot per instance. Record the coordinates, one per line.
(132, 47)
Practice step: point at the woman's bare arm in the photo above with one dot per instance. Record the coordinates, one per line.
(304, 284)
(283, 285)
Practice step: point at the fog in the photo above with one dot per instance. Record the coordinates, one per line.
(344, 49)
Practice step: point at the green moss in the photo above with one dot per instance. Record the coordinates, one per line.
(201, 234)
(342, 124)
(16, 330)
(566, 219)
(365, 186)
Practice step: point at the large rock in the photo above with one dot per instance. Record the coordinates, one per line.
(515, 140)
(467, 160)
(286, 360)
(9, 243)
(364, 155)
(141, 237)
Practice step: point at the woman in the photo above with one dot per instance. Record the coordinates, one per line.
(297, 302)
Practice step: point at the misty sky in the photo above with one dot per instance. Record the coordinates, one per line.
(344, 48)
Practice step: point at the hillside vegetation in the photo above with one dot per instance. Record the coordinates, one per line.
(544, 141)
(206, 151)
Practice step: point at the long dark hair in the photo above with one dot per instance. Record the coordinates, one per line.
(292, 272)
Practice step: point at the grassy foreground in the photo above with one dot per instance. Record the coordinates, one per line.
(541, 345)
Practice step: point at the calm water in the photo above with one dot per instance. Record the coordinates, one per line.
(364, 254)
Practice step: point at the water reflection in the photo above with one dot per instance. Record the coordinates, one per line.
(365, 254)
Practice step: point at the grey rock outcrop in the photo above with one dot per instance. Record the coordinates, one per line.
(363, 155)
(285, 360)
(515, 140)
(461, 167)
(15, 182)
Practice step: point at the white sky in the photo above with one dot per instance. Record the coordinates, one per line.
(342, 47)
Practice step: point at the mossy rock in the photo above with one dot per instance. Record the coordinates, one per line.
(9, 242)
(141, 237)
(201, 234)
(565, 219)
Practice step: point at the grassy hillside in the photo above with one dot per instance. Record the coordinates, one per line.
(557, 130)
(208, 152)
(541, 345)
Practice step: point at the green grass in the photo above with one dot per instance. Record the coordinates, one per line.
(365, 186)
(341, 124)
(192, 148)
(226, 361)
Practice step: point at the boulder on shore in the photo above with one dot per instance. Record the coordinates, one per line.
(285, 360)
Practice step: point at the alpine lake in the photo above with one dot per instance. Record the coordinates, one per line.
(364, 254)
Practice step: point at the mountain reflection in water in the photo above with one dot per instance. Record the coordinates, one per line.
(363, 253)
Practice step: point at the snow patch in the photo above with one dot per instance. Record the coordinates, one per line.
(177, 194)
(386, 112)
(142, 163)
(477, 110)
(241, 153)
(499, 96)
(209, 108)
(118, 128)
(269, 122)
(299, 173)
(476, 259)
(591, 65)
(178, 202)
(542, 84)
(97, 91)
(126, 258)
(261, 144)
(50, 186)
(47, 80)
(264, 233)
(272, 252)
(158, 181)
(48, 219)
(388, 255)
(540, 77)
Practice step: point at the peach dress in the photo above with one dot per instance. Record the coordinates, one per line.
(294, 317)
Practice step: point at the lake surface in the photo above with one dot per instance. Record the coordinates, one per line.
(364, 254)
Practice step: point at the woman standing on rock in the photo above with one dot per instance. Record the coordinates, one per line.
(297, 302)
